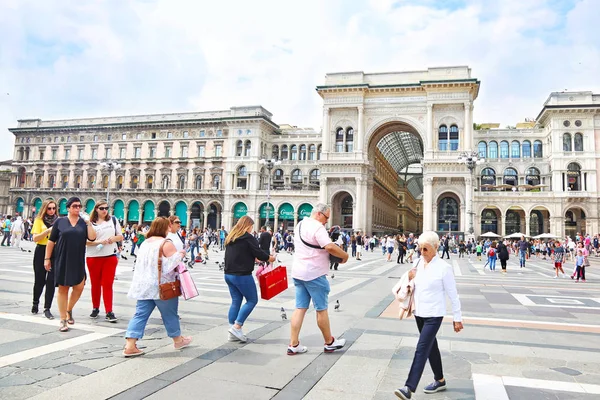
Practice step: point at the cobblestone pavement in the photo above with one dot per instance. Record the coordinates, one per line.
(527, 336)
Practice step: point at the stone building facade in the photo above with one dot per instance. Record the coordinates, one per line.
(386, 159)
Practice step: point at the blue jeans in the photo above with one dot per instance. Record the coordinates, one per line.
(318, 290)
(143, 309)
(241, 286)
(493, 263)
(427, 348)
(192, 248)
(522, 258)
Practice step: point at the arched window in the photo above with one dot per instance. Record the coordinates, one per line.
(513, 222)
(284, 152)
(296, 176)
(38, 181)
(104, 181)
(239, 148)
(319, 152)
(511, 177)
(578, 142)
(489, 221)
(488, 179)
(350, 140)
(166, 181)
(78, 181)
(119, 183)
(216, 182)
(21, 178)
(482, 149)
(27, 152)
(198, 182)
(526, 149)
(448, 214)
(504, 149)
(453, 137)
(532, 177)
(247, 148)
(339, 140)
(443, 138)
(135, 181)
(302, 152)
(65, 181)
(493, 149)
(573, 176)
(537, 149)
(515, 149)
(567, 142)
(181, 182)
(52, 180)
(312, 150)
(21, 153)
(293, 152)
(92, 181)
(149, 182)
(242, 177)
(315, 174)
(275, 152)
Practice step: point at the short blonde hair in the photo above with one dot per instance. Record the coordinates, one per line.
(429, 237)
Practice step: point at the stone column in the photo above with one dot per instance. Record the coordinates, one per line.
(361, 130)
(463, 218)
(434, 216)
(467, 131)
(323, 190)
(469, 202)
(527, 225)
(226, 220)
(503, 227)
(429, 126)
(326, 135)
(204, 222)
(295, 218)
(155, 212)
(427, 204)
(356, 216)
(188, 223)
(125, 214)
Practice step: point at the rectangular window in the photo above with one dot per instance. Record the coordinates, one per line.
(168, 151)
(53, 154)
(41, 155)
(56, 139)
(68, 139)
(186, 134)
(153, 135)
(138, 136)
(108, 153)
(184, 151)
(152, 152)
(124, 136)
(80, 154)
(138, 152)
(109, 137)
(67, 154)
(123, 152)
(202, 133)
(219, 133)
(95, 138)
(81, 138)
(218, 150)
(94, 154)
(44, 140)
(169, 135)
(201, 150)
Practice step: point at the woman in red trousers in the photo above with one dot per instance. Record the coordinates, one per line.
(101, 257)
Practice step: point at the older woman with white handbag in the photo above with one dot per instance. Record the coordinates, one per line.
(433, 280)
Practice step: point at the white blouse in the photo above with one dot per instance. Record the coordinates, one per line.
(104, 230)
(432, 284)
(144, 285)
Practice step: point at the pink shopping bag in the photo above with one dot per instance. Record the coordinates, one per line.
(188, 287)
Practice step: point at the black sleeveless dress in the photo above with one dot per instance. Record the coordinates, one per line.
(68, 256)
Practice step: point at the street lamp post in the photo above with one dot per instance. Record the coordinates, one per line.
(270, 164)
(471, 159)
(110, 166)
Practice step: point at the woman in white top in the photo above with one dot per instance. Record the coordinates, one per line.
(389, 244)
(174, 235)
(101, 259)
(144, 288)
(433, 281)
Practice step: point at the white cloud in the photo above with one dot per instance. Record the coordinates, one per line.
(70, 59)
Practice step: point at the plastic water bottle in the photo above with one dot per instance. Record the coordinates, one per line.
(85, 216)
(100, 246)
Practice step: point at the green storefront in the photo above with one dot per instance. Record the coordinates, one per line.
(264, 220)
(133, 215)
(62, 207)
(304, 211)
(239, 210)
(286, 216)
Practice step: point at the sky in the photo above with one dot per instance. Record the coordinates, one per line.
(71, 58)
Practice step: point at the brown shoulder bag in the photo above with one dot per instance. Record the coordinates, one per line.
(167, 290)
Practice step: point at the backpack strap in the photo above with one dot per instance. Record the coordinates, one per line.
(312, 246)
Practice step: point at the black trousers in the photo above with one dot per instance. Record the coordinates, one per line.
(445, 251)
(6, 238)
(427, 348)
(503, 264)
(401, 257)
(42, 278)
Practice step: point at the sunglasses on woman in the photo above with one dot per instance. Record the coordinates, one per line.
(103, 208)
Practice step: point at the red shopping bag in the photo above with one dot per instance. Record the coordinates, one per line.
(273, 282)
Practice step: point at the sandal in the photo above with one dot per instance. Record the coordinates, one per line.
(132, 353)
(70, 320)
(63, 326)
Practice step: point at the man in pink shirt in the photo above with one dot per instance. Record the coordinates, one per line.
(309, 272)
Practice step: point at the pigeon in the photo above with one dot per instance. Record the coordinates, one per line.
(283, 314)
(332, 276)
(220, 265)
(23, 250)
(337, 305)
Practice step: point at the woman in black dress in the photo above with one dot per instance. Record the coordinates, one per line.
(69, 235)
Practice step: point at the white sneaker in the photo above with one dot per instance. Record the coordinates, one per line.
(238, 334)
(293, 350)
(564, 276)
(554, 277)
(335, 345)
(232, 338)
